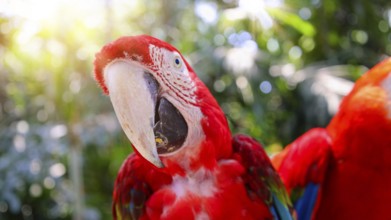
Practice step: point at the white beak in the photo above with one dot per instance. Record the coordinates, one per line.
(134, 106)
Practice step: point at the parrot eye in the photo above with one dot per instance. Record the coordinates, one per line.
(177, 62)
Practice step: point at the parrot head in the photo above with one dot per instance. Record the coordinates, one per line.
(167, 113)
(362, 127)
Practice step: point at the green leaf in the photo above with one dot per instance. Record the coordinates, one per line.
(293, 20)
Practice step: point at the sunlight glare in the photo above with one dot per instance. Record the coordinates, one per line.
(258, 9)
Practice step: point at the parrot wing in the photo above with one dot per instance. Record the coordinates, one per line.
(261, 180)
(136, 181)
(302, 166)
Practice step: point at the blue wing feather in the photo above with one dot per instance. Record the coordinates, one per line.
(304, 206)
(280, 210)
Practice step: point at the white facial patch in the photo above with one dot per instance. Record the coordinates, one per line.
(178, 87)
(172, 71)
(386, 84)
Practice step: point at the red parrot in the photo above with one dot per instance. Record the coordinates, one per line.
(186, 164)
(344, 170)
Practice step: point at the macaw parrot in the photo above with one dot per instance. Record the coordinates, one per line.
(186, 164)
(343, 171)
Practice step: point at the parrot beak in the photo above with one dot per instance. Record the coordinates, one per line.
(133, 93)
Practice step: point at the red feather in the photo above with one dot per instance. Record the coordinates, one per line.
(351, 158)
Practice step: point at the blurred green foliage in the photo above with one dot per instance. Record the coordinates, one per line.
(60, 143)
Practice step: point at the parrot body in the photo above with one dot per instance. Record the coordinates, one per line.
(186, 164)
(202, 194)
(344, 171)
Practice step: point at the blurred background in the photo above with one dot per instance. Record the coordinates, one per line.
(277, 67)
